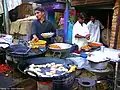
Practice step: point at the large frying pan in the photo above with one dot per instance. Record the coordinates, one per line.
(17, 52)
(43, 60)
(63, 51)
(64, 47)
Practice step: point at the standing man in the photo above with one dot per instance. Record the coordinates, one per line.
(80, 33)
(41, 25)
(94, 27)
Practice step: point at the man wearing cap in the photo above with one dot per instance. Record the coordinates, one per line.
(41, 25)
(80, 33)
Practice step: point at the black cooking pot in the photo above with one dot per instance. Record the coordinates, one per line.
(43, 60)
(19, 52)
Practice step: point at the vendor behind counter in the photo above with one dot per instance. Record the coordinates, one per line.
(41, 25)
(81, 34)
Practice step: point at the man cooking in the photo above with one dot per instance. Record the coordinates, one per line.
(41, 25)
(80, 33)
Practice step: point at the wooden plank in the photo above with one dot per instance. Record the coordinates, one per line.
(97, 1)
(83, 2)
(77, 2)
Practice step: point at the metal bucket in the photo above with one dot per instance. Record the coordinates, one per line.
(98, 65)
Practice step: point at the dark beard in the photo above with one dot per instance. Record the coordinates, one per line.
(81, 23)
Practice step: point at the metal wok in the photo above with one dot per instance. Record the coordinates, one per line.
(61, 52)
(16, 53)
(16, 50)
(64, 47)
(43, 60)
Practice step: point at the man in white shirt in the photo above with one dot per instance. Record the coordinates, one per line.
(80, 33)
(94, 27)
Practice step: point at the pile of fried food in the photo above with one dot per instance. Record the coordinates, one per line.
(37, 44)
(52, 46)
(86, 48)
(48, 70)
(90, 45)
(94, 44)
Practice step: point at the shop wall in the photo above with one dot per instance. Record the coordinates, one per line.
(114, 37)
(25, 10)
(118, 38)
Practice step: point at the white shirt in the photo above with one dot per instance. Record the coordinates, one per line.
(81, 30)
(94, 29)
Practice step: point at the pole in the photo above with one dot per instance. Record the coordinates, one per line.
(116, 74)
(6, 17)
(66, 18)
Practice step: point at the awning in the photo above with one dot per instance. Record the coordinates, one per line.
(1, 7)
(38, 1)
(11, 4)
(53, 6)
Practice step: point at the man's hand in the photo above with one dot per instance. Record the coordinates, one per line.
(87, 36)
(77, 36)
(35, 38)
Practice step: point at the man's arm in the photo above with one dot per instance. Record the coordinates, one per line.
(101, 26)
(80, 36)
(87, 36)
(33, 32)
(89, 25)
(53, 30)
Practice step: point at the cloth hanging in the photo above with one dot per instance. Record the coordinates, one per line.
(1, 7)
(11, 4)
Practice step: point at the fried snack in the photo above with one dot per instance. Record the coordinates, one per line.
(55, 46)
(37, 44)
(92, 44)
(86, 48)
(72, 68)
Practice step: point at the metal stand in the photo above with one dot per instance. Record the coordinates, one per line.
(44, 86)
(116, 72)
(57, 54)
(102, 75)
